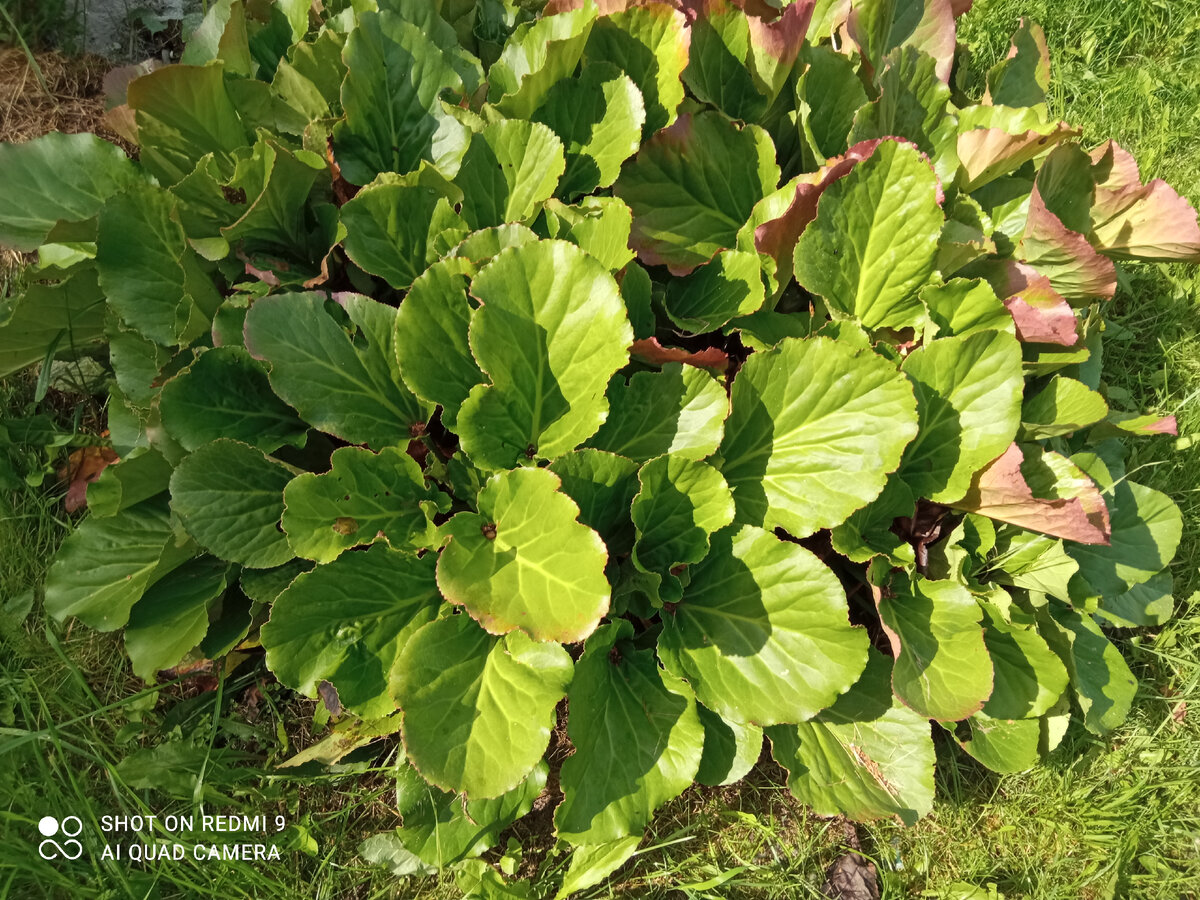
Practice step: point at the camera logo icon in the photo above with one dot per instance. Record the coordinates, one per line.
(69, 828)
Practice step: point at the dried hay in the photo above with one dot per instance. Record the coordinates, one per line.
(68, 96)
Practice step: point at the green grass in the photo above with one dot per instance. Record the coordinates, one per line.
(1115, 817)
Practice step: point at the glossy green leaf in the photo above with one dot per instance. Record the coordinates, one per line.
(138, 476)
(57, 178)
(383, 597)
(637, 736)
(1062, 407)
(716, 72)
(961, 307)
(681, 502)
(551, 332)
(66, 315)
(172, 617)
(478, 710)
(105, 565)
(364, 497)
(649, 42)
(693, 186)
(730, 749)
(591, 864)
(942, 668)
(537, 56)
(827, 96)
(1023, 77)
(868, 757)
(1146, 527)
(264, 585)
(441, 828)
(729, 286)
(1003, 745)
(510, 168)
(155, 283)
(597, 225)
(914, 103)
(345, 383)
(225, 393)
(1029, 677)
(805, 445)
(598, 116)
(603, 485)
(868, 532)
(873, 243)
(230, 499)
(393, 230)
(968, 402)
(1150, 603)
(524, 561)
(680, 410)
(762, 632)
(278, 183)
(432, 347)
(183, 114)
(1103, 685)
(395, 76)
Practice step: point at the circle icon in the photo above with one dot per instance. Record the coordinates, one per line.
(78, 826)
(48, 826)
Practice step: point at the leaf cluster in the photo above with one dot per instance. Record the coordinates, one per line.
(638, 379)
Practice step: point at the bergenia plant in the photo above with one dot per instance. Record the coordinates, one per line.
(604, 388)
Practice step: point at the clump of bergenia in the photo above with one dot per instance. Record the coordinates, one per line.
(616, 384)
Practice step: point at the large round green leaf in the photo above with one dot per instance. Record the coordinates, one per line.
(729, 286)
(637, 737)
(874, 241)
(536, 56)
(56, 178)
(969, 406)
(1146, 527)
(347, 384)
(866, 758)
(649, 42)
(603, 485)
(816, 427)
(762, 632)
(1003, 745)
(693, 186)
(153, 282)
(1029, 677)
(1101, 680)
(230, 498)
(225, 393)
(551, 333)
(681, 502)
(440, 828)
(598, 115)
(525, 562)
(395, 229)
(173, 615)
(509, 170)
(382, 598)
(362, 498)
(478, 709)
(730, 749)
(105, 565)
(942, 670)
(680, 410)
(394, 119)
(431, 337)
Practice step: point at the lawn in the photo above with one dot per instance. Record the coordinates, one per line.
(1115, 817)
